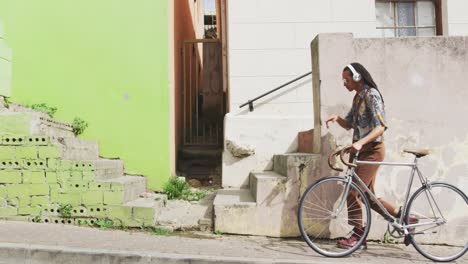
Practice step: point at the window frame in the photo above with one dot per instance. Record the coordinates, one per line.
(437, 13)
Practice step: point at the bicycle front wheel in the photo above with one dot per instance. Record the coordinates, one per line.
(441, 232)
(323, 216)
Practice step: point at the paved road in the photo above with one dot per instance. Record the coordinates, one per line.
(49, 243)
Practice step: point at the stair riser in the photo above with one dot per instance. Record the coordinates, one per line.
(276, 221)
(108, 169)
(16, 122)
(77, 149)
(132, 190)
(269, 190)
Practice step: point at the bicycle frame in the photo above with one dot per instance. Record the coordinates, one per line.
(395, 222)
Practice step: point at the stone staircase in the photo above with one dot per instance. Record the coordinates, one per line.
(269, 206)
(45, 170)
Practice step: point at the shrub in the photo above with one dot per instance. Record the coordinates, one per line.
(78, 126)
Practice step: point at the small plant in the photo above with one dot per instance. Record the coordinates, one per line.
(7, 102)
(44, 108)
(388, 239)
(218, 232)
(65, 210)
(122, 227)
(37, 218)
(105, 223)
(159, 231)
(193, 196)
(175, 187)
(78, 126)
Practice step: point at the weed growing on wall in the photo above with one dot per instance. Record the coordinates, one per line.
(6, 102)
(79, 126)
(44, 108)
(66, 210)
(105, 223)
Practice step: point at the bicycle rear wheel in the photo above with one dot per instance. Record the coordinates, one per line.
(441, 211)
(323, 216)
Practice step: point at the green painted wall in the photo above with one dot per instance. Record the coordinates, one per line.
(105, 61)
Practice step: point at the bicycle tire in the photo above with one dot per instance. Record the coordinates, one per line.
(450, 240)
(328, 189)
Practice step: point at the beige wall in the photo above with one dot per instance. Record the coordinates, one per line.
(423, 82)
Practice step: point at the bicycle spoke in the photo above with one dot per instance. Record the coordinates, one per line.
(323, 223)
(439, 234)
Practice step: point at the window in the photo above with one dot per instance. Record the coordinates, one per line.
(408, 18)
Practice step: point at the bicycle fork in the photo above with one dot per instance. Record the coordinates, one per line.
(344, 198)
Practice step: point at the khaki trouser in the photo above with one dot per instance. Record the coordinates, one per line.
(370, 152)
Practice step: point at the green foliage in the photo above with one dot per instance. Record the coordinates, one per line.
(105, 223)
(388, 239)
(160, 231)
(122, 227)
(78, 126)
(7, 102)
(194, 196)
(44, 108)
(177, 188)
(65, 210)
(218, 232)
(37, 218)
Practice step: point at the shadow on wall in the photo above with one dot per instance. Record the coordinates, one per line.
(302, 171)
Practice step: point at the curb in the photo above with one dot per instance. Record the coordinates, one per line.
(38, 254)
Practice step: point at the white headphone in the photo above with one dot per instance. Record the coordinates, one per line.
(356, 75)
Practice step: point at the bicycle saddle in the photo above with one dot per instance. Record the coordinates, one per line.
(418, 153)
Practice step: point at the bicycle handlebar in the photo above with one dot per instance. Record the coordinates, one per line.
(347, 149)
(330, 163)
(341, 152)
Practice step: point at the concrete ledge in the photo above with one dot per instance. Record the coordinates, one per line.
(132, 186)
(38, 254)
(265, 184)
(107, 169)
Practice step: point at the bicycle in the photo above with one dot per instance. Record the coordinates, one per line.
(434, 230)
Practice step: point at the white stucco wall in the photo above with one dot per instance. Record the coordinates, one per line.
(457, 17)
(269, 45)
(5, 65)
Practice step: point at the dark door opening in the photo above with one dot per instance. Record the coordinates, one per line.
(203, 104)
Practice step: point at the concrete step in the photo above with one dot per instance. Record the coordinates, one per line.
(266, 186)
(132, 186)
(283, 163)
(237, 213)
(277, 195)
(152, 202)
(200, 152)
(23, 121)
(184, 215)
(107, 169)
(76, 149)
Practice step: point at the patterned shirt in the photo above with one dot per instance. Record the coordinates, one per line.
(367, 112)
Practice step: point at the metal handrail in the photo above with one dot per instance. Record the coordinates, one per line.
(250, 102)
